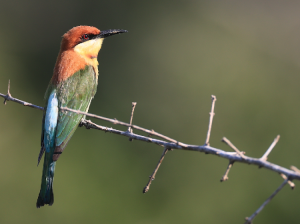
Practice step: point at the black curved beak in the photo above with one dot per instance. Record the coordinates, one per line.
(107, 33)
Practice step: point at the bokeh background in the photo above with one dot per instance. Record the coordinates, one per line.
(175, 56)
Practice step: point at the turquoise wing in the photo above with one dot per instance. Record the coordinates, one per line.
(47, 95)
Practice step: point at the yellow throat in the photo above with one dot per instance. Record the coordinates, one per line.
(89, 51)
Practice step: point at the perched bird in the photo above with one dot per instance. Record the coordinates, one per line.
(73, 85)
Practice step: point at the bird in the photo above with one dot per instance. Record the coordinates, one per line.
(73, 85)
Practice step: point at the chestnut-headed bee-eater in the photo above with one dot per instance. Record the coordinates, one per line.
(73, 85)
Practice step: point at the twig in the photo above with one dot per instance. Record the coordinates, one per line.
(249, 220)
(295, 169)
(292, 185)
(152, 177)
(115, 121)
(8, 92)
(265, 156)
(225, 177)
(131, 118)
(224, 139)
(211, 116)
(206, 149)
(8, 97)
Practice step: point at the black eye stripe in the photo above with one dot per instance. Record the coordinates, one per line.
(86, 37)
(92, 36)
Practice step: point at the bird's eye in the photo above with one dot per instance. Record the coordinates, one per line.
(85, 37)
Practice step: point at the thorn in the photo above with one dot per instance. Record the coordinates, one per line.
(269, 150)
(225, 176)
(146, 189)
(241, 154)
(292, 185)
(211, 116)
(133, 104)
(295, 169)
(8, 93)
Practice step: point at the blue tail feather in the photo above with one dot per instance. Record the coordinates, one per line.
(46, 193)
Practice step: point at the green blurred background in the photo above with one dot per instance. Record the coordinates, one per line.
(175, 56)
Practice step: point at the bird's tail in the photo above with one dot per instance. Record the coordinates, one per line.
(46, 192)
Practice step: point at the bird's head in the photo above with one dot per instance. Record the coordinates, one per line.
(79, 47)
(86, 40)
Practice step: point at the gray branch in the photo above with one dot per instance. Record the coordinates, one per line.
(8, 97)
(199, 148)
(169, 143)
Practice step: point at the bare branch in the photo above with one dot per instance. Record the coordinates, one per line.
(265, 156)
(8, 97)
(249, 220)
(232, 156)
(225, 177)
(115, 121)
(237, 156)
(173, 143)
(152, 177)
(241, 154)
(212, 114)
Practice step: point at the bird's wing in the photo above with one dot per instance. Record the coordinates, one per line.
(75, 93)
(47, 95)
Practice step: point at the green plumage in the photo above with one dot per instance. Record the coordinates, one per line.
(76, 92)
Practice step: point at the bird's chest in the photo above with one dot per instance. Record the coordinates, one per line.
(79, 87)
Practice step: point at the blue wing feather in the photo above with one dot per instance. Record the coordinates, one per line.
(50, 122)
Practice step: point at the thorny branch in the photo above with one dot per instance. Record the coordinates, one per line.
(8, 97)
(169, 143)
